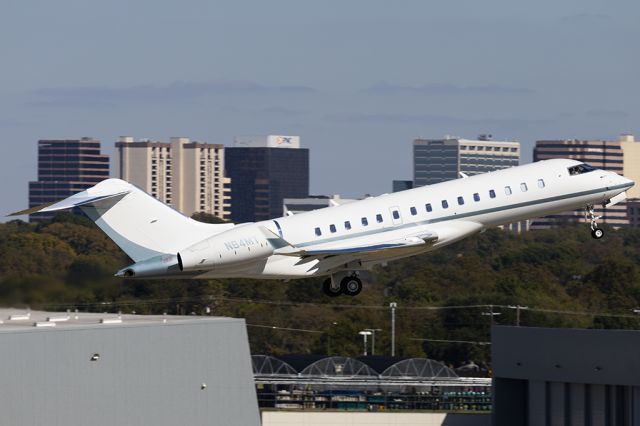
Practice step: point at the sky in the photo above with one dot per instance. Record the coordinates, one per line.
(358, 80)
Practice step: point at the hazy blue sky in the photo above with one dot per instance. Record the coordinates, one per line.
(357, 80)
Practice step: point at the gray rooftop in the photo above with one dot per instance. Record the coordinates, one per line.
(12, 320)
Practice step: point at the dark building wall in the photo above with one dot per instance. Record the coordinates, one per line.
(64, 168)
(261, 178)
(568, 376)
(434, 163)
(402, 185)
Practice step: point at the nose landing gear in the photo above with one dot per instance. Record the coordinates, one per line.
(590, 214)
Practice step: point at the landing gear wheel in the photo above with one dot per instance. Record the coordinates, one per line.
(329, 289)
(590, 214)
(351, 286)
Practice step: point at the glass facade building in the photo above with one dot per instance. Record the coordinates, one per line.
(64, 168)
(262, 177)
(439, 160)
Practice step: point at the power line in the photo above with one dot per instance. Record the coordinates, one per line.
(468, 342)
(273, 327)
(284, 303)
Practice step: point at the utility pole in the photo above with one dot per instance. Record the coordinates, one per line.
(491, 314)
(393, 306)
(518, 309)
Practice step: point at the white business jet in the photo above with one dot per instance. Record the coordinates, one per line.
(339, 242)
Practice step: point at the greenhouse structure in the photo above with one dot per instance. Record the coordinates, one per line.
(307, 382)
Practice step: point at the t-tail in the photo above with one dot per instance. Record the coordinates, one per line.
(147, 230)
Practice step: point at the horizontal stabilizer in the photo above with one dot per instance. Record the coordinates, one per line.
(80, 199)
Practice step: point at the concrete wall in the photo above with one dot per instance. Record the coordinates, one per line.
(346, 418)
(146, 374)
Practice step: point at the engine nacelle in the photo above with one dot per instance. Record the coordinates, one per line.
(159, 266)
(239, 245)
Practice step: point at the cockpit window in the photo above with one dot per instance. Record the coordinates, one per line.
(580, 169)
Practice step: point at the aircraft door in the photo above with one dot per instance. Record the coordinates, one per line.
(396, 216)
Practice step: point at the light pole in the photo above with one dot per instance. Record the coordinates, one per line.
(393, 306)
(364, 334)
(373, 338)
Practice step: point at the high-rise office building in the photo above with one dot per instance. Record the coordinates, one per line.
(606, 155)
(313, 202)
(64, 168)
(401, 185)
(439, 160)
(188, 176)
(264, 170)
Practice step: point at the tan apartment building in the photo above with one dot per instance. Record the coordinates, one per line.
(188, 176)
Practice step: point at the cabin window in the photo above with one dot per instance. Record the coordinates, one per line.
(476, 197)
(445, 204)
(379, 218)
(507, 190)
(492, 193)
(523, 187)
(347, 225)
(413, 211)
(318, 232)
(540, 183)
(396, 214)
(332, 228)
(428, 207)
(364, 221)
(460, 200)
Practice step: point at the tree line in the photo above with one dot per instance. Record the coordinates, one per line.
(559, 277)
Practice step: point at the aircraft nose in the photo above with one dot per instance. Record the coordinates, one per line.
(626, 182)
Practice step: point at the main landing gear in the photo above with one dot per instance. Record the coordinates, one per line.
(596, 232)
(350, 285)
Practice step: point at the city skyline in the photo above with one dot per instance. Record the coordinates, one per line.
(358, 82)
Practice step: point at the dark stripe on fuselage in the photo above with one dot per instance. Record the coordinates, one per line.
(468, 214)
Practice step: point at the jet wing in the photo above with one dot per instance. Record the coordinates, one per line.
(366, 244)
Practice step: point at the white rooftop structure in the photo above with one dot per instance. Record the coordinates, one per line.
(267, 141)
